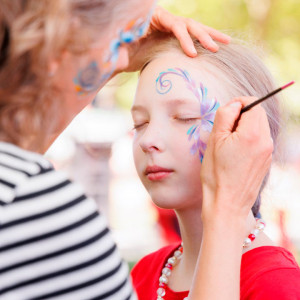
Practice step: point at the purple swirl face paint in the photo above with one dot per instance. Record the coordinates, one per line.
(208, 106)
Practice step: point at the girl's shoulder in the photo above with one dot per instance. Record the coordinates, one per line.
(154, 259)
(269, 272)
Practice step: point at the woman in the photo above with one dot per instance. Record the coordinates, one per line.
(173, 113)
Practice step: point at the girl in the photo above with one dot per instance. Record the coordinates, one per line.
(54, 57)
(173, 113)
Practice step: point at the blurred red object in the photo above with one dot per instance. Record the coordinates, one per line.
(169, 226)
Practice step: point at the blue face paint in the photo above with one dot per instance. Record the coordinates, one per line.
(90, 79)
(87, 79)
(208, 107)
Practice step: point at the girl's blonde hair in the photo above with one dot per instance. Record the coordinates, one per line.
(32, 33)
(240, 71)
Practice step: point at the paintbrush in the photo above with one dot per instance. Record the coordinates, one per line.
(265, 97)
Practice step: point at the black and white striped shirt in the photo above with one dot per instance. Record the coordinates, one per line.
(53, 242)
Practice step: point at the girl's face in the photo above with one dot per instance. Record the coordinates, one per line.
(173, 114)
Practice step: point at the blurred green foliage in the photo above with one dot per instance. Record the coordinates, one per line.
(273, 24)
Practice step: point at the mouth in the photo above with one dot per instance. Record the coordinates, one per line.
(155, 173)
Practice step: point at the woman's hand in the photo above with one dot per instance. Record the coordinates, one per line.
(237, 158)
(182, 28)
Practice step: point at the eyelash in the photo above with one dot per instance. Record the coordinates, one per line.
(187, 120)
(184, 120)
(137, 126)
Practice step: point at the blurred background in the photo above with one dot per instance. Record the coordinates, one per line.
(96, 148)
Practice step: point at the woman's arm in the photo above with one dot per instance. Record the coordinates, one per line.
(235, 163)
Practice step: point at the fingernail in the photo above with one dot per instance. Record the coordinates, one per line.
(236, 104)
(194, 51)
(214, 45)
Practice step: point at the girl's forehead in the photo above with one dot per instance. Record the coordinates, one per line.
(175, 75)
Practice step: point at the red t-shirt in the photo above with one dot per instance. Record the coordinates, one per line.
(267, 273)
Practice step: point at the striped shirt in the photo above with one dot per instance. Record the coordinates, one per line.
(54, 244)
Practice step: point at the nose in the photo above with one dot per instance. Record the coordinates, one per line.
(152, 139)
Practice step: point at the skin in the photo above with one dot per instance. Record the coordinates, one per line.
(160, 139)
(66, 66)
(69, 66)
(64, 69)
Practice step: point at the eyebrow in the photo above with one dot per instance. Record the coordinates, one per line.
(168, 101)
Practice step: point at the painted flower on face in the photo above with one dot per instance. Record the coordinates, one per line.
(208, 107)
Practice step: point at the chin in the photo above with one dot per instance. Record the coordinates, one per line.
(176, 199)
(166, 202)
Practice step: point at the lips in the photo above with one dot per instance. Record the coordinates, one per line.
(157, 173)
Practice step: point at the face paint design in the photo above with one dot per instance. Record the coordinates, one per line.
(133, 31)
(208, 107)
(86, 81)
(90, 79)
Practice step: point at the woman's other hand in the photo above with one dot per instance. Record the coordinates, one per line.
(237, 158)
(182, 28)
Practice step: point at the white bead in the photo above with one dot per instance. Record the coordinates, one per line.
(261, 221)
(172, 260)
(177, 254)
(163, 279)
(186, 298)
(260, 226)
(161, 292)
(247, 242)
(166, 271)
(159, 298)
(255, 232)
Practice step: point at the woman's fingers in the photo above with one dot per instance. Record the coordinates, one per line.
(255, 120)
(184, 28)
(253, 128)
(237, 158)
(217, 35)
(206, 35)
(198, 31)
(226, 118)
(181, 32)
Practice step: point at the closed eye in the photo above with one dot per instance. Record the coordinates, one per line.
(138, 126)
(188, 120)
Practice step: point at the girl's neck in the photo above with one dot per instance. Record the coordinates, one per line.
(190, 224)
(191, 232)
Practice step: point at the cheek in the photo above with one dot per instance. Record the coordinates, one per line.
(123, 59)
(198, 139)
(137, 155)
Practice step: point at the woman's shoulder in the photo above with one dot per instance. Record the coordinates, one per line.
(269, 272)
(17, 168)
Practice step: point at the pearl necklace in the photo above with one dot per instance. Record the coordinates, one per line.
(167, 269)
